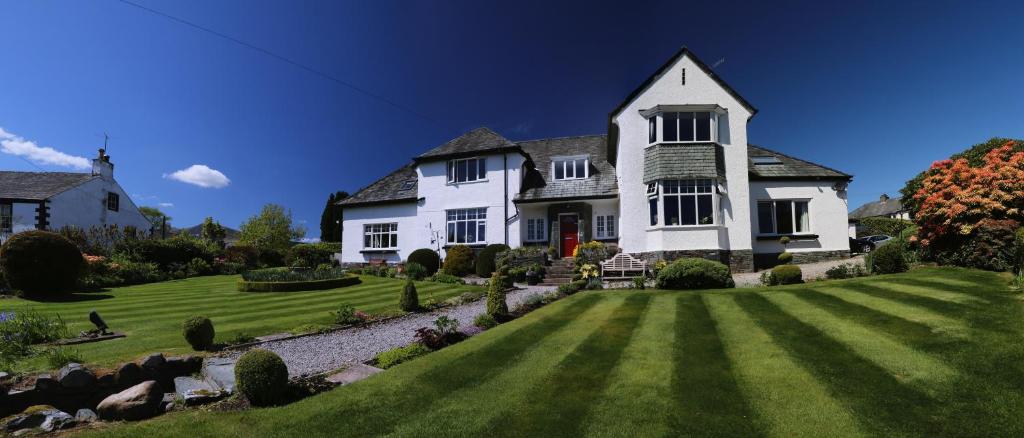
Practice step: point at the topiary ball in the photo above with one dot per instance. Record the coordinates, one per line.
(426, 257)
(262, 377)
(41, 263)
(485, 261)
(785, 258)
(695, 273)
(787, 274)
(199, 333)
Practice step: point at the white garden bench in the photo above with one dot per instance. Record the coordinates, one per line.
(622, 263)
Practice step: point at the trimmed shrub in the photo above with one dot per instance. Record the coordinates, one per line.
(694, 273)
(444, 277)
(199, 333)
(497, 308)
(410, 301)
(485, 261)
(786, 274)
(785, 258)
(485, 321)
(296, 286)
(310, 254)
(262, 377)
(41, 262)
(459, 260)
(415, 271)
(846, 270)
(395, 356)
(427, 258)
(887, 259)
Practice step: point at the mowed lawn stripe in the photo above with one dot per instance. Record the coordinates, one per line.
(906, 364)
(704, 388)
(945, 308)
(558, 405)
(459, 413)
(882, 403)
(787, 399)
(935, 292)
(912, 323)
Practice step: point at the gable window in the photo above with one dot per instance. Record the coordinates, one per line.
(113, 202)
(535, 230)
(467, 225)
(696, 126)
(571, 168)
(605, 226)
(380, 236)
(783, 217)
(467, 170)
(6, 219)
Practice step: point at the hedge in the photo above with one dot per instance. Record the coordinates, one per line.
(296, 286)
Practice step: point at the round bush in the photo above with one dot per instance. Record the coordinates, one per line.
(695, 273)
(426, 257)
(787, 274)
(459, 260)
(198, 331)
(262, 377)
(485, 261)
(785, 258)
(888, 259)
(41, 262)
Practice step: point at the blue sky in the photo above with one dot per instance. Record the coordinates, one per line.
(879, 90)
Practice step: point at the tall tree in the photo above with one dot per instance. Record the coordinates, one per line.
(213, 231)
(270, 229)
(330, 219)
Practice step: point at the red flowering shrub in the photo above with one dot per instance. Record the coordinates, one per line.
(990, 246)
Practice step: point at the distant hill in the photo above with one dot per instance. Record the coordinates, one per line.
(231, 234)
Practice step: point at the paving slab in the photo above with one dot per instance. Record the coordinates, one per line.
(353, 374)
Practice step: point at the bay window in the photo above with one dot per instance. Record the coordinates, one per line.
(682, 127)
(686, 202)
(783, 217)
(380, 236)
(467, 170)
(570, 168)
(467, 225)
(535, 230)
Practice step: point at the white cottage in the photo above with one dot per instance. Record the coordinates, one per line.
(675, 176)
(51, 200)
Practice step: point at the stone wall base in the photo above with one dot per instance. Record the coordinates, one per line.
(738, 260)
(769, 260)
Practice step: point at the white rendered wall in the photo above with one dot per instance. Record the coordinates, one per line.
(828, 211)
(411, 235)
(635, 233)
(85, 206)
(533, 211)
(604, 207)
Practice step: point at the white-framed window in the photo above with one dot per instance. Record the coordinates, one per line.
(605, 226)
(535, 230)
(780, 217)
(652, 129)
(686, 202)
(570, 167)
(683, 127)
(467, 170)
(380, 236)
(467, 225)
(6, 219)
(652, 202)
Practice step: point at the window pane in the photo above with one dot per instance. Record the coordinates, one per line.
(689, 210)
(481, 213)
(471, 231)
(581, 171)
(451, 172)
(705, 210)
(610, 224)
(600, 226)
(394, 240)
(366, 241)
(784, 217)
(685, 126)
(530, 233)
(803, 217)
(463, 170)
(764, 218)
(481, 231)
(703, 126)
(559, 169)
(451, 231)
(570, 170)
(671, 210)
(669, 128)
(460, 232)
(652, 129)
(481, 168)
(652, 205)
(471, 167)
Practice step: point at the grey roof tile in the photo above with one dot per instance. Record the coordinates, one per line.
(38, 185)
(788, 167)
(473, 142)
(398, 186)
(878, 208)
(539, 185)
(674, 161)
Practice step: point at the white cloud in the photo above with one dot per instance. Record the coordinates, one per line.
(17, 146)
(166, 204)
(201, 175)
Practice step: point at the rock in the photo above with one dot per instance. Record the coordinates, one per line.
(130, 374)
(75, 376)
(22, 432)
(194, 392)
(353, 374)
(106, 380)
(154, 361)
(167, 402)
(4, 376)
(136, 403)
(56, 420)
(47, 419)
(46, 382)
(184, 365)
(220, 372)
(85, 416)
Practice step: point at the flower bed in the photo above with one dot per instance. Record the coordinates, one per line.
(294, 286)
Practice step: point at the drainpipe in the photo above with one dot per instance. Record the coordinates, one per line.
(504, 221)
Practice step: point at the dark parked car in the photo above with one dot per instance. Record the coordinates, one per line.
(868, 243)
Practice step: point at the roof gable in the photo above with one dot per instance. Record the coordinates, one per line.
(471, 143)
(39, 185)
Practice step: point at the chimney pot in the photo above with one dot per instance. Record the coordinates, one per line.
(883, 198)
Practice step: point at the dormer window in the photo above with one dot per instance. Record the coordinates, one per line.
(467, 170)
(564, 168)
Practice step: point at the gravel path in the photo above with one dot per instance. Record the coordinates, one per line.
(330, 351)
(811, 271)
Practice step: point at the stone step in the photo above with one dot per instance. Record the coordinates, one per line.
(555, 281)
(564, 275)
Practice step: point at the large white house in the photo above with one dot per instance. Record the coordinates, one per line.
(51, 200)
(675, 176)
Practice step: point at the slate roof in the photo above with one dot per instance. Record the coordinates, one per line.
(392, 188)
(878, 208)
(670, 161)
(469, 144)
(539, 185)
(38, 185)
(789, 168)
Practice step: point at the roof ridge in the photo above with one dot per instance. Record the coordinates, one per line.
(560, 138)
(799, 159)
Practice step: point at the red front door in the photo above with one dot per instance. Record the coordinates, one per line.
(569, 227)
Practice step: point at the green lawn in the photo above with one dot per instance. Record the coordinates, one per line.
(151, 314)
(932, 352)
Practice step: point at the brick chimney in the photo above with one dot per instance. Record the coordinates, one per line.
(102, 166)
(883, 198)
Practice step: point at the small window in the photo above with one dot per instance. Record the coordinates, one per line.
(571, 168)
(683, 76)
(380, 236)
(113, 202)
(783, 217)
(407, 185)
(652, 188)
(6, 219)
(765, 160)
(605, 226)
(535, 230)
(467, 170)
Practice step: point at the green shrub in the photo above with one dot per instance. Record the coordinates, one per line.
(990, 246)
(310, 254)
(295, 286)
(410, 301)
(20, 331)
(786, 274)
(348, 315)
(639, 282)
(592, 253)
(199, 333)
(1018, 242)
(846, 270)
(178, 250)
(459, 260)
(262, 377)
(415, 271)
(286, 274)
(198, 267)
(695, 273)
(572, 287)
(887, 259)
(427, 258)
(132, 272)
(785, 258)
(883, 225)
(56, 358)
(241, 338)
(390, 358)
(485, 261)
(485, 321)
(244, 254)
(497, 308)
(41, 263)
(444, 277)
(465, 298)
